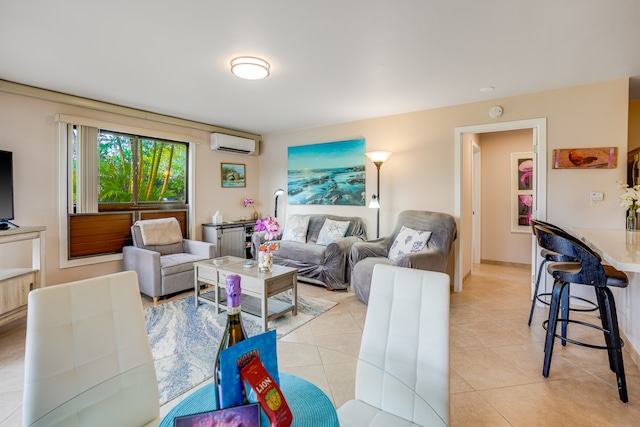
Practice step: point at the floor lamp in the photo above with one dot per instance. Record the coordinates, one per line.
(378, 158)
(279, 192)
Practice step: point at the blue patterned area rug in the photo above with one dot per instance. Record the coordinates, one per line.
(185, 338)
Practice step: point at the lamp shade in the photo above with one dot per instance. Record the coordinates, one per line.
(250, 68)
(378, 156)
(375, 202)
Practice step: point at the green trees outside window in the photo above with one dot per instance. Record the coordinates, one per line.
(136, 170)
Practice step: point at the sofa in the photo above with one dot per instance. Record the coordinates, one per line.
(320, 257)
(420, 239)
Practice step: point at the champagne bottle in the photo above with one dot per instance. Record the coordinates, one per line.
(234, 330)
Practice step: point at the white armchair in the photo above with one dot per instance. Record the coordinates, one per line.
(402, 375)
(88, 360)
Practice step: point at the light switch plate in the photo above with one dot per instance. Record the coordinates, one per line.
(596, 197)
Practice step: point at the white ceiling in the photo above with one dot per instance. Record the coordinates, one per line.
(332, 61)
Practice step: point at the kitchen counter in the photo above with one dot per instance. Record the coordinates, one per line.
(620, 248)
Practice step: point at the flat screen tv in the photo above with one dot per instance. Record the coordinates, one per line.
(6, 189)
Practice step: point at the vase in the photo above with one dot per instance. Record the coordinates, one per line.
(255, 215)
(631, 219)
(265, 261)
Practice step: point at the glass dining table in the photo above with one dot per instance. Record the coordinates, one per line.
(122, 400)
(309, 404)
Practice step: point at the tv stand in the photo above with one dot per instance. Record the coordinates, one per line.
(16, 283)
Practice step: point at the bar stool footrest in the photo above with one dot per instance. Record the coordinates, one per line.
(590, 325)
(593, 305)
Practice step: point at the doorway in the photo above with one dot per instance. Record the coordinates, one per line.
(476, 194)
(462, 245)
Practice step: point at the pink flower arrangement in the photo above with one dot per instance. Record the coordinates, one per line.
(247, 202)
(269, 225)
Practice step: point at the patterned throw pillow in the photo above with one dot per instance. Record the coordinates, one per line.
(409, 241)
(332, 230)
(295, 228)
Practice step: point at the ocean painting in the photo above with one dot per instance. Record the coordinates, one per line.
(331, 173)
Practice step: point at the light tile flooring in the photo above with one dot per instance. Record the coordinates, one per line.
(496, 360)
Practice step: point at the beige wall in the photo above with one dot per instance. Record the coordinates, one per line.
(27, 128)
(499, 243)
(634, 124)
(420, 173)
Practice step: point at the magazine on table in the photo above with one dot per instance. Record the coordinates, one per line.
(245, 415)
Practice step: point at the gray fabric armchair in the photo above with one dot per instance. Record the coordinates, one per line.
(167, 267)
(435, 256)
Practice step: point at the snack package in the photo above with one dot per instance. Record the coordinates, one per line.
(268, 393)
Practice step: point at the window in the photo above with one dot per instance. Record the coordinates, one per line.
(132, 172)
(115, 178)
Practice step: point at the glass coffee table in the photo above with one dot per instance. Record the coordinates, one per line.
(258, 289)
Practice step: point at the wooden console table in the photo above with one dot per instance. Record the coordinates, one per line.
(16, 283)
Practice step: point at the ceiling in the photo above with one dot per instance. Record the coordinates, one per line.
(332, 61)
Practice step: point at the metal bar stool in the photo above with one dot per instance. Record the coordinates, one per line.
(551, 256)
(587, 270)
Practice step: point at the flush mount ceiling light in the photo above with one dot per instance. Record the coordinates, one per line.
(250, 68)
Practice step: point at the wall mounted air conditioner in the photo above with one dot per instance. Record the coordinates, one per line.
(233, 144)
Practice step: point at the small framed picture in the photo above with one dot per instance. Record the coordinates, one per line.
(522, 183)
(585, 158)
(233, 175)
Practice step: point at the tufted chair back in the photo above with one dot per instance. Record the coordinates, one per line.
(403, 367)
(87, 358)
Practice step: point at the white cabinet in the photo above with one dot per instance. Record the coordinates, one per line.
(16, 283)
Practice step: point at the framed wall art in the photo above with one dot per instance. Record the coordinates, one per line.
(585, 158)
(233, 175)
(331, 173)
(521, 192)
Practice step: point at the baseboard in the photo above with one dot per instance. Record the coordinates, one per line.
(632, 351)
(504, 263)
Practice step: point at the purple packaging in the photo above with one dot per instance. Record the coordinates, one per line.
(233, 290)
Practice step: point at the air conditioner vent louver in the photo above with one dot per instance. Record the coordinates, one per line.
(232, 144)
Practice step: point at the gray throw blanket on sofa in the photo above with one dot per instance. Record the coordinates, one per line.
(324, 265)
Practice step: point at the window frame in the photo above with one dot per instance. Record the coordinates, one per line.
(64, 181)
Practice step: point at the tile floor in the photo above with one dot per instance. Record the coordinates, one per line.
(496, 360)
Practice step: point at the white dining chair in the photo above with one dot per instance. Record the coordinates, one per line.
(402, 375)
(88, 360)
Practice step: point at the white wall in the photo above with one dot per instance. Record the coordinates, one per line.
(420, 173)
